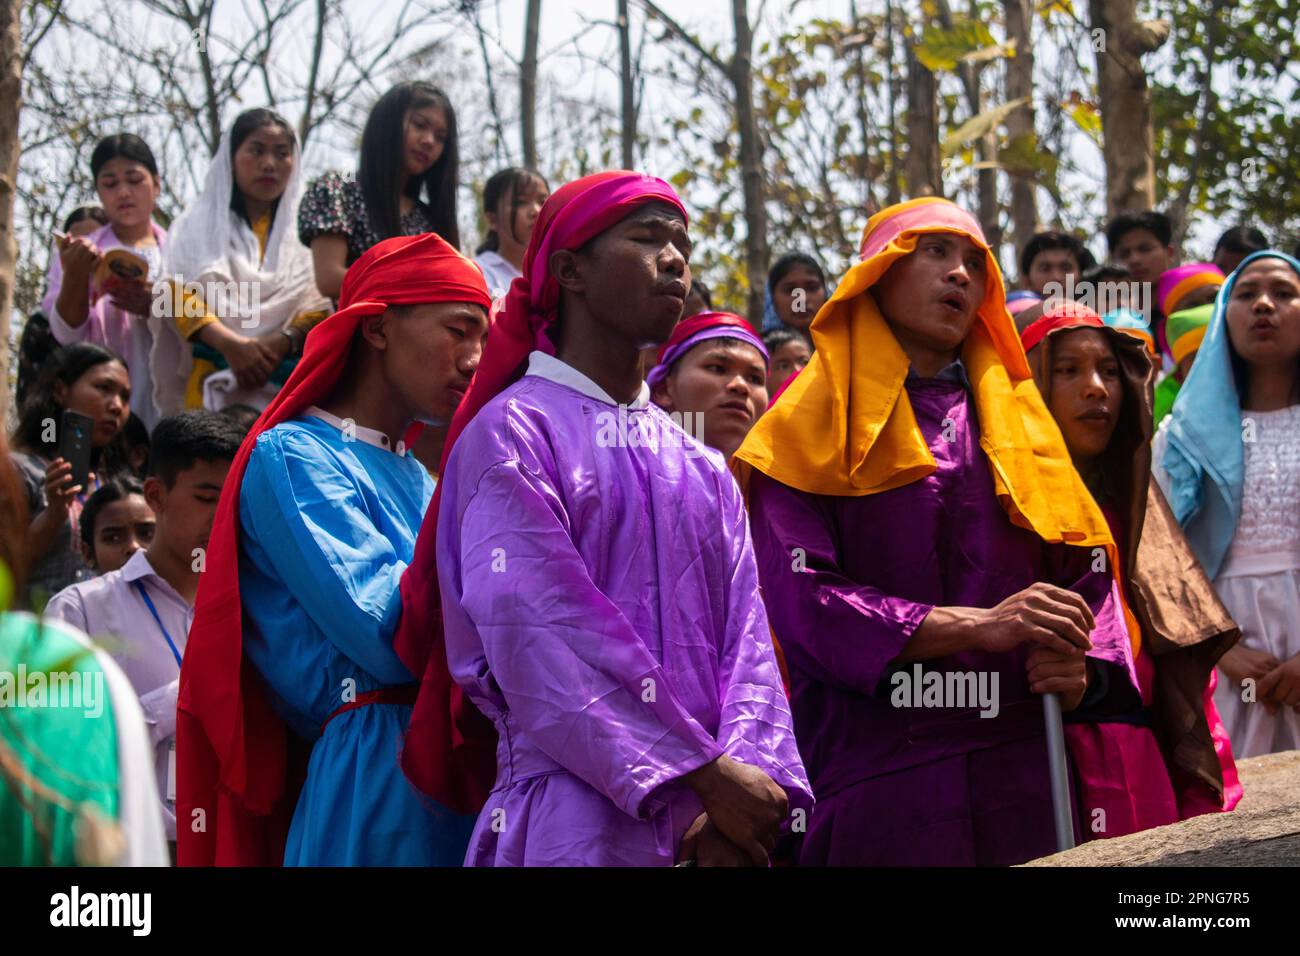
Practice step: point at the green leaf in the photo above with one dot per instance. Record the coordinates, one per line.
(1022, 157)
(941, 49)
(1086, 117)
(977, 126)
(1048, 7)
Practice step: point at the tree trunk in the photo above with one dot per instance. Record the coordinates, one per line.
(895, 188)
(986, 147)
(922, 170)
(987, 177)
(751, 162)
(1020, 83)
(528, 84)
(11, 92)
(1128, 138)
(626, 86)
(862, 162)
(1177, 210)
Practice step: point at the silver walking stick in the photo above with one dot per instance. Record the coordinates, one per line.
(1062, 809)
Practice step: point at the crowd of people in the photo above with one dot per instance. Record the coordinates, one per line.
(390, 555)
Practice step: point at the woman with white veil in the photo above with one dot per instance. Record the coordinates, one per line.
(244, 296)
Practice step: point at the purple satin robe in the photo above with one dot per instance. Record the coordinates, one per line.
(601, 606)
(914, 785)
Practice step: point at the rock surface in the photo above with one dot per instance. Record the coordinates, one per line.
(1264, 829)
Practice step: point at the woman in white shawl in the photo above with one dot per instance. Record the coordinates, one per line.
(244, 293)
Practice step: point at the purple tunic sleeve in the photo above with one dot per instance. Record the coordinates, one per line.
(756, 726)
(557, 657)
(835, 630)
(1083, 571)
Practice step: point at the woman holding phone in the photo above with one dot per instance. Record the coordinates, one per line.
(92, 381)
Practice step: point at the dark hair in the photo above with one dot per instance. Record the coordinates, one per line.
(122, 146)
(383, 155)
(82, 213)
(66, 365)
(1102, 273)
(35, 346)
(778, 338)
(135, 431)
(787, 263)
(178, 441)
(702, 290)
(134, 436)
(505, 182)
(1242, 240)
(1052, 240)
(242, 415)
(116, 489)
(1156, 223)
(246, 124)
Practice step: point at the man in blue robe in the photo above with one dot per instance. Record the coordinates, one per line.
(330, 500)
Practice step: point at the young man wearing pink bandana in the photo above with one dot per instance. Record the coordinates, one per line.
(712, 376)
(600, 599)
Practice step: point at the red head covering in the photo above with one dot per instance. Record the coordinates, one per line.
(1063, 314)
(700, 328)
(233, 752)
(450, 752)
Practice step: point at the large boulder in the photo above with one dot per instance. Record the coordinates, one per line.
(1264, 829)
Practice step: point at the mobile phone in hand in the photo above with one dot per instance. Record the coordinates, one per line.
(75, 443)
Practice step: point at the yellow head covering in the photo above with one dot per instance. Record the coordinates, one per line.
(845, 425)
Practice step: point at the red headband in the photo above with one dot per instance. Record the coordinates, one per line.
(1066, 315)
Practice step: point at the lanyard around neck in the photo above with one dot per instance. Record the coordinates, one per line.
(154, 611)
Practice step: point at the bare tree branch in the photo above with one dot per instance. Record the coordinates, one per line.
(685, 36)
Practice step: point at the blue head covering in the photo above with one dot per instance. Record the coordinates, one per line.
(1204, 460)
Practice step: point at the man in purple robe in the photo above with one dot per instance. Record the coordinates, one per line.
(911, 501)
(599, 590)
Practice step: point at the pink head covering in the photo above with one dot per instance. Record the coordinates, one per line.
(1177, 282)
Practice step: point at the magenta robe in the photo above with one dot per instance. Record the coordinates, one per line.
(847, 580)
(601, 607)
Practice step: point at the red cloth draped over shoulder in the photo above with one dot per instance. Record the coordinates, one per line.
(238, 769)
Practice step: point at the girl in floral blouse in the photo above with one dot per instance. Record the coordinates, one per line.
(405, 184)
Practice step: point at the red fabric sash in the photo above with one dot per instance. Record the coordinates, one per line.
(238, 770)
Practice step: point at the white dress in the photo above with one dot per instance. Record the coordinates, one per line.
(498, 272)
(1260, 578)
